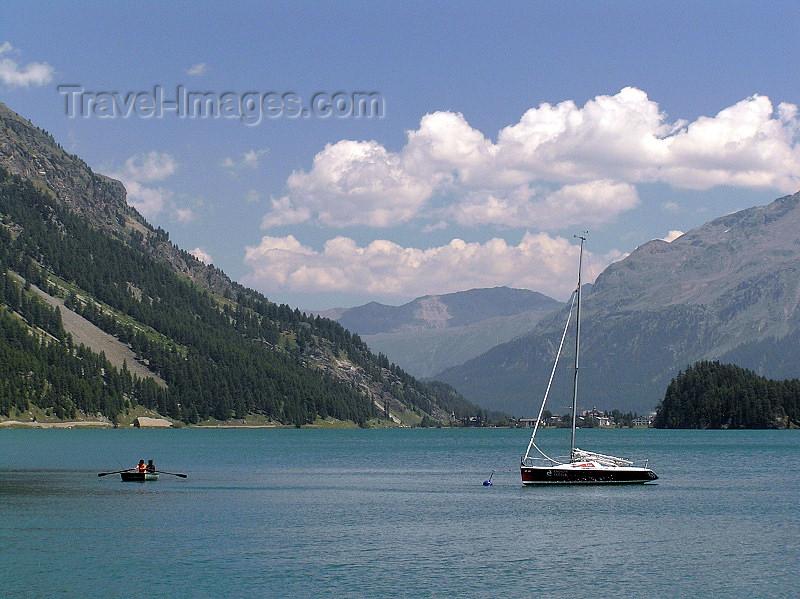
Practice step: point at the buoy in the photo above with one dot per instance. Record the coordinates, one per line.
(488, 482)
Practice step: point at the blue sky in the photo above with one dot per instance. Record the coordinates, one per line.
(498, 131)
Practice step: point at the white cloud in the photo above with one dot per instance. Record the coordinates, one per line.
(672, 236)
(283, 213)
(386, 269)
(149, 168)
(745, 145)
(440, 226)
(449, 151)
(198, 69)
(13, 75)
(149, 201)
(584, 204)
(612, 137)
(352, 183)
(559, 163)
(202, 255)
(249, 159)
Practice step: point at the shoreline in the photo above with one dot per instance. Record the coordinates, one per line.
(102, 424)
(65, 424)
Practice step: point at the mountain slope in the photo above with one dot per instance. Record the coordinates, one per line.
(33, 155)
(434, 332)
(426, 352)
(222, 350)
(729, 288)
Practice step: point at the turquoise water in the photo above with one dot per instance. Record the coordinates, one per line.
(393, 513)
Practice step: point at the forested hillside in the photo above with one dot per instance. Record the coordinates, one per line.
(40, 366)
(221, 356)
(714, 395)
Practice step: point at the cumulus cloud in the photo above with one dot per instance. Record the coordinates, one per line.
(672, 236)
(138, 173)
(584, 204)
(559, 163)
(749, 144)
(202, 255)
(149, 201)
(283, 213)
(352, 183)
(150, 167)
(385, 269)
(13, 75)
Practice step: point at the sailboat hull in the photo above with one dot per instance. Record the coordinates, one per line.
(579, 474)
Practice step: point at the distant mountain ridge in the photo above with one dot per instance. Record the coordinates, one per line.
(431, 333)
(727, 290)
(457, 309)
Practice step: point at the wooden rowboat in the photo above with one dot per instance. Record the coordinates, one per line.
(138, 477)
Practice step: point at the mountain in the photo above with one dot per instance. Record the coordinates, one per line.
(100, 314)
(33, 155)
(728, 290)
(443, 311)
(431, 333)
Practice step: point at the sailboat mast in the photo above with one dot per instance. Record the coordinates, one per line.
(577, 354)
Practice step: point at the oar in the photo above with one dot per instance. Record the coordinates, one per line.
(117, 472)
(172, 473)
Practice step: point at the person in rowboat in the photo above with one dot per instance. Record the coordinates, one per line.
(150, 466)
(141, 467)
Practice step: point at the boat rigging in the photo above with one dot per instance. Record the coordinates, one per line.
(582, 467)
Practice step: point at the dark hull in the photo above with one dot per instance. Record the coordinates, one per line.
(588, 476)
(138, 477)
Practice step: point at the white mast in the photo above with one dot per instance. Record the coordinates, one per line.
(577, 354)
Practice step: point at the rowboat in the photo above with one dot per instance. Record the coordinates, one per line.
(138, 477)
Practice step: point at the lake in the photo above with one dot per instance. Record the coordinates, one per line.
(393, 513)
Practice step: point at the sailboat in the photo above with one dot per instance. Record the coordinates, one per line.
(581, 467)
